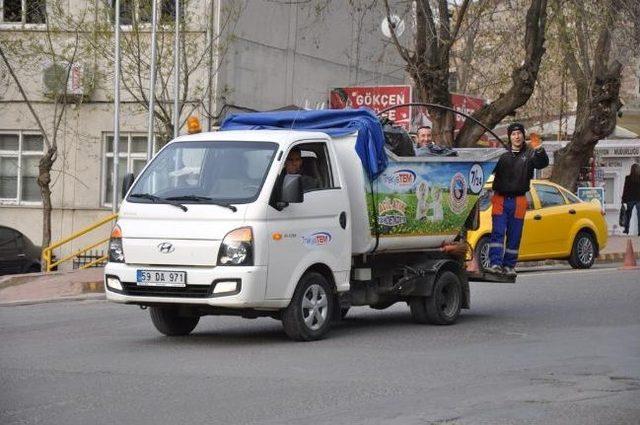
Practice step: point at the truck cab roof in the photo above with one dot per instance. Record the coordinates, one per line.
(282, 137)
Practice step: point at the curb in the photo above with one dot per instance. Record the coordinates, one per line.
(87, 297)
(607, 258)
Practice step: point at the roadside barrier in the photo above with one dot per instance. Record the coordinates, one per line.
(47, 253)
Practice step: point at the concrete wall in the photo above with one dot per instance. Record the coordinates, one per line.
(290, 53)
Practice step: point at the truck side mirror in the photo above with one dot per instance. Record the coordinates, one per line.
(127, 182)
(291, 192)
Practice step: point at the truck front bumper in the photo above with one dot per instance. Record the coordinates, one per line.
(245, 287)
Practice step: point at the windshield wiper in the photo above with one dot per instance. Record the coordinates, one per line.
(202, 198)
(158, 200)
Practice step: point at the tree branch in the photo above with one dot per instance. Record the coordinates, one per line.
(404, 53)
(25, 98)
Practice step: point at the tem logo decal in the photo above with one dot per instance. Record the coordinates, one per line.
(458, 193)
(400, 179)
(316, 240)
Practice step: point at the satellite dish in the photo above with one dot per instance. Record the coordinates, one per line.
(396, 23)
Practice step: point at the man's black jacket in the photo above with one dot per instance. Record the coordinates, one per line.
(515, 170)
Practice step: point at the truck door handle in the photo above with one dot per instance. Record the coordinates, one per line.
(572, 211)
(343, 220)
(537, 217)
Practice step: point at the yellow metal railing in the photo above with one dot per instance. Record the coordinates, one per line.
(47, 253)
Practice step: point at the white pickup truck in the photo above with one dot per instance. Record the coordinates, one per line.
(221, 224)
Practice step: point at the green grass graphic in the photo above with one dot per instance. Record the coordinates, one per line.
(451, 222)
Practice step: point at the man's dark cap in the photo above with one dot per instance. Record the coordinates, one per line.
(513, 127)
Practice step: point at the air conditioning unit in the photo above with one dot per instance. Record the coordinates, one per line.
(66, 80)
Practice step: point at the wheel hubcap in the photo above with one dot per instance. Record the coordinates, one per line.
(315, 307)
(585, 250)
(484, 256)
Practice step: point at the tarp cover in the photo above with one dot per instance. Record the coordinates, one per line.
(334, 122)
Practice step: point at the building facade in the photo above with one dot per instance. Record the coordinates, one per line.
(263, 55)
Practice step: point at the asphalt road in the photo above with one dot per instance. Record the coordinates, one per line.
(559, 347)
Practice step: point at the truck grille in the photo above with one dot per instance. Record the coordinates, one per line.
(189, 291)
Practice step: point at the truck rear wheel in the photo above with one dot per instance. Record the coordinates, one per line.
(308, 316)
(443, 306)
(168, 321)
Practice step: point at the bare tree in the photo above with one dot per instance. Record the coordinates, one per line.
(49, 120)
(523, 78)
(596, 77)
(198, 44)
(428, 64)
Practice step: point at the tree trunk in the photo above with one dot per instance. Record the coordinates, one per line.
(595, 120)
(434, 88)
(44, 180)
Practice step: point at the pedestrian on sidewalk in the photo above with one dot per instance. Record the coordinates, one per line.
(631, 197)
(512, 177)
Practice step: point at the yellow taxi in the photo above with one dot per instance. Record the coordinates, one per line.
(557, 225)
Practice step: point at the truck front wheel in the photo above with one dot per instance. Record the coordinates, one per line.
(308, 316)
(168, 321)
(443, 306)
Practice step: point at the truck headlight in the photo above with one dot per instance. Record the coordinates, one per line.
(116, 253)
(237, 248)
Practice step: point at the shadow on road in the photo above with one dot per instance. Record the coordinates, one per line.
(268, 331)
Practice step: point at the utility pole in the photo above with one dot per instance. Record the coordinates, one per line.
(152, 79)
(116, 107)
(176, 76)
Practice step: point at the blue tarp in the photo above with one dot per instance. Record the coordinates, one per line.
(334, 122)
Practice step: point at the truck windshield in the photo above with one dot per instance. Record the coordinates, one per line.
(205, 173)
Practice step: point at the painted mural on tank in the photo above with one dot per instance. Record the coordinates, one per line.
(426, 198)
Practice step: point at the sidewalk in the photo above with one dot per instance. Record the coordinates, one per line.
(88, 284)
(613, 253)
(36, 288)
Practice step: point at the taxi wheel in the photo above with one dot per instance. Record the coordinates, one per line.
(583, 252)
(168, 321)
(482, 253)
(309, 314)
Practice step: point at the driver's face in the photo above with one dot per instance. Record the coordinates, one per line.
(293, 164)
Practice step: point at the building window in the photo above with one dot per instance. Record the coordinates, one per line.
(20, 154)
(132, 157)
(24, 11)
(609, 190)
(140, 11)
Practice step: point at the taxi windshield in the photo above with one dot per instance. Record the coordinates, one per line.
(206, 172)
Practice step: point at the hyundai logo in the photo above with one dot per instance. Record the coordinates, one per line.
(166, 248)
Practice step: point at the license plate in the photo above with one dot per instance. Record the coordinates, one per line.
(161, 278)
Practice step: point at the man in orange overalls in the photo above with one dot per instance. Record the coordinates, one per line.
(513, 174)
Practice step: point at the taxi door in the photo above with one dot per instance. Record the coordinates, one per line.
(549, 225)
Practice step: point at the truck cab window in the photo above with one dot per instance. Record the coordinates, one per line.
(311, 161)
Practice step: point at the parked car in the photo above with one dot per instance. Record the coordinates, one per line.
(557, 225)
(17, 253)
